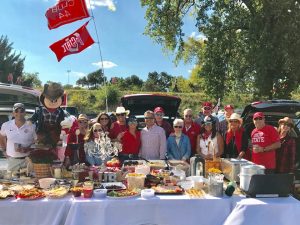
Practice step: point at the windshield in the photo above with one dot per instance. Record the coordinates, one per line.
(22, 97)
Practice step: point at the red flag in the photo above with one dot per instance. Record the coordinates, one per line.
(72, 44)
(66, 11)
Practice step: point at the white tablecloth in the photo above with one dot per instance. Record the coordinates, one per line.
(162, 210)
(34, 212)
(263, 211)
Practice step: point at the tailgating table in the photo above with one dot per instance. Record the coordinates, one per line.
(160, 210)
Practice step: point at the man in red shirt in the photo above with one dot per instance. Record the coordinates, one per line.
(119, 127)
(265, 140)
(190, 129)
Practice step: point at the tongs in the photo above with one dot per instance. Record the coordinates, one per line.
(167, 163)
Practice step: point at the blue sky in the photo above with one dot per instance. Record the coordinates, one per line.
(120, 24)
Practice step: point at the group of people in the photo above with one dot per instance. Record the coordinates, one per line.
(205, 135)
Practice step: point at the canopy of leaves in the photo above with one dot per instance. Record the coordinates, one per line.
(10, 61)
(250, 46)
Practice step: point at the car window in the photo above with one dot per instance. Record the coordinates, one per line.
(23, 97)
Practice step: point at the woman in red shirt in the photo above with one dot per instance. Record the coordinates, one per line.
(131, 141)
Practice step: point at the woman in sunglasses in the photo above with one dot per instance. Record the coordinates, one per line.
(105, 121)
(209, 142)
(75, 151)
(236, 140)
(90, 146)
(178, 145)
(286, 154)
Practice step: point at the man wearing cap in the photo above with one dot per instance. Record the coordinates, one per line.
(119, 127)
(18, 136)
(265, 140)
(207, 108)
(159, 119)
(223, 125)
(153, 139)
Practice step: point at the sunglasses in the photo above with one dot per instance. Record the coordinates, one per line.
(207, 123)
(85, 122)
(97, 130)
(177, 126)
(188, 116)
(159, 114)
(233, 121)
(104, 118)
(259, 118)
(19, 110)
(132, 122)
(207, 108)
(286, 124)
(121, 114)
(149, 118)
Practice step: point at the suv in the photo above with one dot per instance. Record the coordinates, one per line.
(273, 111)
(138, 104)
(11, 94)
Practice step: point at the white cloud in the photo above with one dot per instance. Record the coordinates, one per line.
(197, 36)
(106, 64)
(101, 3)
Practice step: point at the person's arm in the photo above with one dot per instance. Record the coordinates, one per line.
(220, 144)
(163, 145)
(188, 149)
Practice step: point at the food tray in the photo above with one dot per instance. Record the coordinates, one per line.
(107, 185)
(168, 190)
(157, 164)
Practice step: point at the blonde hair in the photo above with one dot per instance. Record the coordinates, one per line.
(90, 134)
(178, 121)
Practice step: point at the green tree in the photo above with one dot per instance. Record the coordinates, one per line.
(31, 80)
(10, 61)
(158, 82)
(96, 78)
(83, 82)
(251, 46)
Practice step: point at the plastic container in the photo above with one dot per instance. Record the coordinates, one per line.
(198, 181)
(100, 193)
(45, 183)
(147, 193)
(245, 181)
(143, 169)
(135, 180)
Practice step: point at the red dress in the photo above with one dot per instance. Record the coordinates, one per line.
(130, 143)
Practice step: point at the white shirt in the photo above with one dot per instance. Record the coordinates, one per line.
(209, 146)
(25, 135)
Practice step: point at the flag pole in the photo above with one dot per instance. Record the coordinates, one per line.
(101, 58)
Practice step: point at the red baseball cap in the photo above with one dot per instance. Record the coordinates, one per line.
(207, 104)
(159, 109)
(258, 114)
(228, 107)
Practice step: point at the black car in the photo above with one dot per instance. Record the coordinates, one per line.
(273, 111)
(138, 104)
